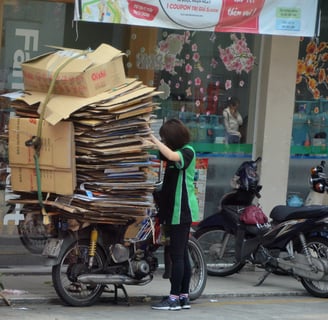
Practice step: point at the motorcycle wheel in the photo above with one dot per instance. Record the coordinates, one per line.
(318, 248)
(74, 263)
(198, 269)
(218, 263)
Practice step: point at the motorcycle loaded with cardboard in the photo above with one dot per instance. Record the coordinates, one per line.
(84, 175)
(104, 236)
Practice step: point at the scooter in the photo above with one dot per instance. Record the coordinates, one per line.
(94, 257)
(292, 242)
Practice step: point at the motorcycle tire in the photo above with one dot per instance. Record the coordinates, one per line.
(218, 263)
(73, 263)
(198, 269)
(318, 248)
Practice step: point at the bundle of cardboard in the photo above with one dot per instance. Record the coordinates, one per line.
(94, 162)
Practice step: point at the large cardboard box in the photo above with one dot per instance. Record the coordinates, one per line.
(57, 147)
(84, 75)
(56, 159)
(53, 181)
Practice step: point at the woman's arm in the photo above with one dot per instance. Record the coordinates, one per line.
(165, 150)
(239, 119)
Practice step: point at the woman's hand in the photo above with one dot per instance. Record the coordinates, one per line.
(165, 150)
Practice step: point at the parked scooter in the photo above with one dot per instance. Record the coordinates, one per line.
(88, 260)
(293, 242)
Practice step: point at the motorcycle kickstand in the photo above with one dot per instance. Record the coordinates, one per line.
(120, 286)
(261, 279)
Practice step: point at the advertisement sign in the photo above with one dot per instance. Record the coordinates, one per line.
(275, 17)
(200, 184)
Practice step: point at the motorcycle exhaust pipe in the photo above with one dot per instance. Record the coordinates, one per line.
(110, 279)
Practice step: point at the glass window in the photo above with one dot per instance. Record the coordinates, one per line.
(197, 72)
(310, 121)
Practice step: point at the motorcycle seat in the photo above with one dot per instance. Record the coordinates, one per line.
(283, 212)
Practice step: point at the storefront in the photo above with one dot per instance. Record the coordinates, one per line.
(197, 69)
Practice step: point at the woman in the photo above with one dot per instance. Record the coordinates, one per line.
(232, 121)
(178, 208)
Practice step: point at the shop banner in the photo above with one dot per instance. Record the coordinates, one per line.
(275, 17)
(200, 184)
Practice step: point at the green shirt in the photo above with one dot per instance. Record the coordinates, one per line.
(178, 202)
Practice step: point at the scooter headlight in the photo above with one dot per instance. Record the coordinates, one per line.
(318, 182)
(319, 187)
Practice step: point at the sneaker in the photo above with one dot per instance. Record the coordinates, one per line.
(167, 304)
(184, 303)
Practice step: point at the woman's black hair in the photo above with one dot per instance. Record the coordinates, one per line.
(174, 134)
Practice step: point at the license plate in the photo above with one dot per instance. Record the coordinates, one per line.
(52, 247)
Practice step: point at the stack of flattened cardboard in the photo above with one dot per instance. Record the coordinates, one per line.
(100, 140)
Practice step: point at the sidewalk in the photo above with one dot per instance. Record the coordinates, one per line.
(33, 284)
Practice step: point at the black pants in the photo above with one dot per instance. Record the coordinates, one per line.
(178, 250)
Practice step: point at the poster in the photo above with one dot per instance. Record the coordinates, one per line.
(275, 17)
(200, 184)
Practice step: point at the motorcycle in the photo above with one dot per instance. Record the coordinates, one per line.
(88, 258)
(293, 242)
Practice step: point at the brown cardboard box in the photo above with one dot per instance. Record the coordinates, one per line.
(57, 148)
(56, 160)
(84, 76)
(55, 181)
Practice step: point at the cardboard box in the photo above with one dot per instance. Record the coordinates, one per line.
(83, 75)
(57, 147)
(54, 181)
(56, 160)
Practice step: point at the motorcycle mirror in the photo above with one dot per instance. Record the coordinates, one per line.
(316, 170)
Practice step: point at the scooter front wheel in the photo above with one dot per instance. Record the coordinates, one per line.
(318, 248)
(219, 250)
(65, 275)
